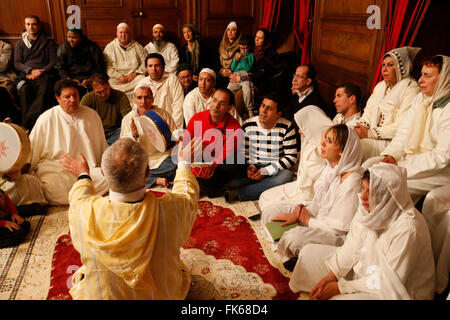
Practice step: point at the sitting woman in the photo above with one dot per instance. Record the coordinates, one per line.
(227, 50)
(190, 52)
(387, 253)
(389, 102)
(326, 219)
(312, 122)
(13, 228)
(262, 72)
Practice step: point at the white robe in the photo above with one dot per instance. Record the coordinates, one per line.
(396, 264)
(327, 227)
(155, 157)
(312, 121)
(427, 170)
(120, 62)
(436, 211)
(350, 121)
(25, 190)
(384, 111)
(56, 133)
(169, 53)
(194, 103)
(168, 94)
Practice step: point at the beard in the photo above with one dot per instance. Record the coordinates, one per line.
(159, 44)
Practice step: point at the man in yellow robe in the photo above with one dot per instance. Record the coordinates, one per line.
(130, 241)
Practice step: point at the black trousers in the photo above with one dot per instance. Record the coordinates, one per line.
(14, 238)
(35, 97)
(216, 185)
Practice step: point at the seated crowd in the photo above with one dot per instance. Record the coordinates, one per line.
(348, 179)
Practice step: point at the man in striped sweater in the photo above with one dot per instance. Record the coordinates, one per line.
(270, 149)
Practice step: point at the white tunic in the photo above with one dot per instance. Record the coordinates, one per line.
(427, 170)
(169, 53)
(327, 227)
(436, 211)
(155, 157)
(194, 103)
(401, 255)
(383, 113)
(56, 133)
(350, 121)
(168, 94)
(120, 62)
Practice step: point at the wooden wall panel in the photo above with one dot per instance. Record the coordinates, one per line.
(343, 48)
(12, 21)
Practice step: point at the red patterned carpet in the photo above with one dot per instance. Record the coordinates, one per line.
(217, 231)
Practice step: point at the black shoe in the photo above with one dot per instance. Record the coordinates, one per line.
(290, 264)
(231, 196)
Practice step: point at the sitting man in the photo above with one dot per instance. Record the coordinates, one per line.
(347, 101)
(270, 151)
(79, 58)
(197, 100)
(130, 241)
(222, 137)
(125, 61)
(167, 49)
(111, 105)
(422, 143)
(35, 60)
(9, 110)
(304, 92)
(167, 90)
(67, 128)
(160, 163)
(184, 74)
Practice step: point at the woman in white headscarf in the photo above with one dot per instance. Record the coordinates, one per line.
(422, 143)
(390, 100)
(387, 253)
(312, 122)
(326, 219)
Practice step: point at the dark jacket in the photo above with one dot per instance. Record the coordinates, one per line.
(314, 98)
(41, 55)
(80, 62)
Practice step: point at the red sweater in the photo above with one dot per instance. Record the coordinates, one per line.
(231, 138)
(7, 208)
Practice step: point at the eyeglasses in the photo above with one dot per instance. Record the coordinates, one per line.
(101, 93)
(186, 77)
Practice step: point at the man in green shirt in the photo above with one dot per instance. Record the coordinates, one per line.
(111, 105)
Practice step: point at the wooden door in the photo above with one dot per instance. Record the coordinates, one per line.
(343, 47)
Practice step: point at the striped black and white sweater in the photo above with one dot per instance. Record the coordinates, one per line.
(274, 149)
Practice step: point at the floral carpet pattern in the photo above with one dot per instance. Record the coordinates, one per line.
(242, 265)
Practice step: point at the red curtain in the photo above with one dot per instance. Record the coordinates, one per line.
(403, 22)
(303, 14)
(270, 14)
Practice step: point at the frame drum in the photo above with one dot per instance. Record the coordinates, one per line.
(203, 170)
(157, 130)
(15, 147)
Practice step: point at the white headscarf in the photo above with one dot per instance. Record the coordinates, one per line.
(313, 122)
(326, 186)
(403, 63)
(388, 196)
(419, 136)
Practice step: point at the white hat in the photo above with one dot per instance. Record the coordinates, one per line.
(123, 25)
(158, 25)
(142, 85)
(209, 71)
(232, 25)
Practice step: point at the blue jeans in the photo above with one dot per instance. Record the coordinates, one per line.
(112, 136)
(166, 169)
(250, 190)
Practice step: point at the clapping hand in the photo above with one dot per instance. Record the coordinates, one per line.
(73, 165)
